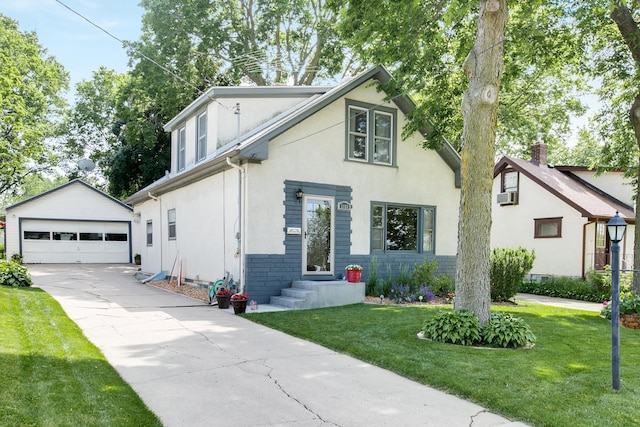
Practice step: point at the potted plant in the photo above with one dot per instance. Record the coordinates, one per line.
(137, 259)
(239, 302)
(223, 296)
(354, 273)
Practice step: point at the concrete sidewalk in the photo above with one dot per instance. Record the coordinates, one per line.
(560, 302)
(196, 365)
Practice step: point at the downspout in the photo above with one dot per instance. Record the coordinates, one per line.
(157, 199)
(584, 246)
(240, 250)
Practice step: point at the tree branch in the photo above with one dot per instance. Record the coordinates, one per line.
(628, 28)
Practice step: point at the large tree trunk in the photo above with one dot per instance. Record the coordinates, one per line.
(480, 111)
(630, 32)
(635, 285)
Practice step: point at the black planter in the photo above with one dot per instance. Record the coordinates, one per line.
(223, 301)
(239, 306)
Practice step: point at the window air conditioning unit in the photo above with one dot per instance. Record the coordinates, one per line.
(508, 198)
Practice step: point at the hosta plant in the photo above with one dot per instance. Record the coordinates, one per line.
(14, 274)
(455, 327)
(504, 330)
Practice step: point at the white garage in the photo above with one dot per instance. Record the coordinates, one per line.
(73, 223)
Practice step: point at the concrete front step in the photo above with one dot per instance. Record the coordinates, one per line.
(305, 294)
(287, 302)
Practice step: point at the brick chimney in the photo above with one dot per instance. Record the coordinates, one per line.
(539, 152)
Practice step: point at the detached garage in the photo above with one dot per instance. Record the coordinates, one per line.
(73, 223)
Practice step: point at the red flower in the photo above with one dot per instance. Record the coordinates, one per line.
(224, 292)
(239, 297)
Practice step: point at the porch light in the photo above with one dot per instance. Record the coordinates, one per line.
(299, 194)
(616, 228)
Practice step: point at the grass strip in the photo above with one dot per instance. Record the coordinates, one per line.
(565, 380)
(52, 375)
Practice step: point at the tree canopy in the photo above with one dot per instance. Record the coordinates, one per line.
(31, 87)
(425, 43)
(263, 41)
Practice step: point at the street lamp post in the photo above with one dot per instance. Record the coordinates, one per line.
(616, 228)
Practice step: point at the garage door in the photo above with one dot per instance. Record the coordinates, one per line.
(73, 242)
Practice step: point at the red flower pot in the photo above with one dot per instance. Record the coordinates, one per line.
(353, 276)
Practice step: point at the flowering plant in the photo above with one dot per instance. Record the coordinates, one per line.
(224, 292)
(239, 297)
(354, 267)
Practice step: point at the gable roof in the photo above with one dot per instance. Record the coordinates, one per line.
(76, 181)
(253, 145)
(587, 199)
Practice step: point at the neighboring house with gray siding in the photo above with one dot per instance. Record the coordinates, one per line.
(276, 184)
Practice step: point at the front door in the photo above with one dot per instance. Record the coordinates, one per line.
(602, 246)
(317, 235)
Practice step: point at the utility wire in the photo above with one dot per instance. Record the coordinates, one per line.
(125, 43)
(200, 91)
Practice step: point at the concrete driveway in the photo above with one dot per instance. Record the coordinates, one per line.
(196, 365)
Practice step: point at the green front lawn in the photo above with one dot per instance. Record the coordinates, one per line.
(51, 375)
(565, 380)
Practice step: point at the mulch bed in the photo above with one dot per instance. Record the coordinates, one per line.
(185, 289)
(202, 294)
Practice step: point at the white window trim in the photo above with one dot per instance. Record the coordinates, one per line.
(171, 236)
(201, 135)
(147, 234)
(182, 148)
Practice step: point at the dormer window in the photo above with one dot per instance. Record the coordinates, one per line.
(182, 147)
(509, 188)
(201, 141)
(510, 181)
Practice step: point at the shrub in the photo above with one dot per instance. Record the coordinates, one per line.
(14, 274)
(596, 288)
(404, 276)
(508, 268)
(629, 304)
(600, 281)
(423, 276)
(504, 330)
(371, 284)
(455, 327)
(385, 288)
(17, 258)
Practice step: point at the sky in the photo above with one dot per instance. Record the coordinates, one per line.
(76, 44)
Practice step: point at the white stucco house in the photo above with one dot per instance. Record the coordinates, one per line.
(277, 184)
(72, 223)
(560, 212)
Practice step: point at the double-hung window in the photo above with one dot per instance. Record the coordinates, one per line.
(171, 221)
(201, 142)
(402, 228)
(182, 148)
(149, 233)
(370, 133)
